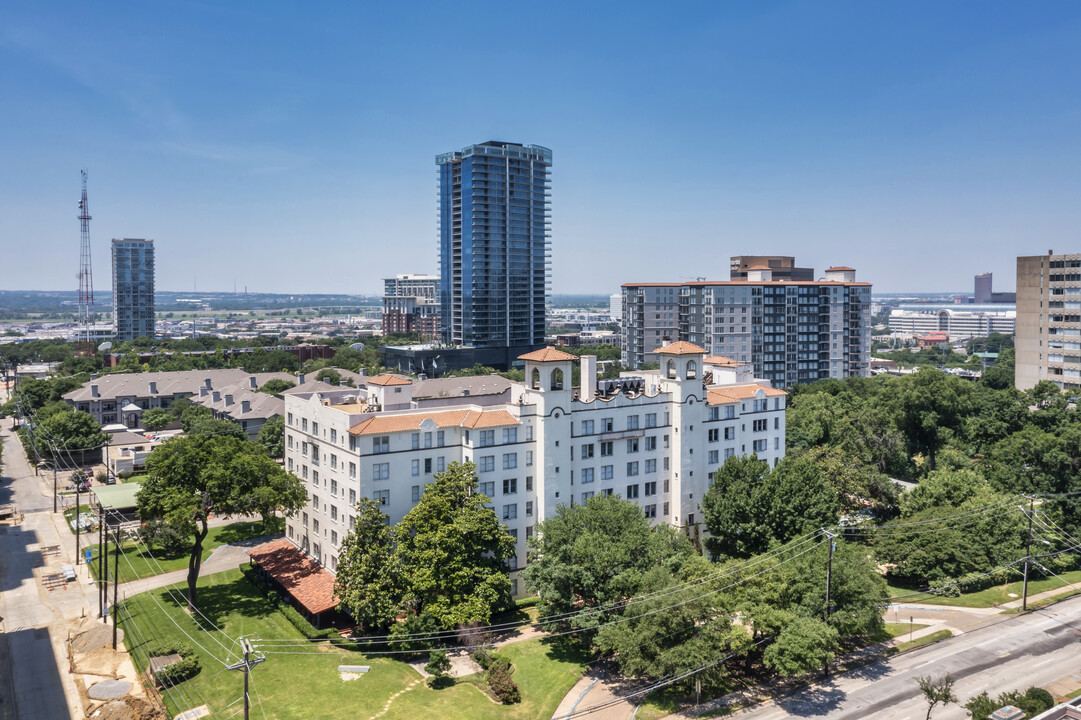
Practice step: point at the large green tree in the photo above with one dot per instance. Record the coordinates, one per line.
(369, 582)
(70, 432)
(272, 436)
(189, 478)
(157, 419)
(596, 553)
(454, 551)
(932, 404)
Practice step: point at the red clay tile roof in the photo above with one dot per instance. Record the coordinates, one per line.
(840, 268)
(298, 574)
(681, 347)
(548, 354)
(735, 393)
(722, 361)
(385, 424)
(388, 379)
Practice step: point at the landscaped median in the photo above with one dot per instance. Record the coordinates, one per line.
(304, 682)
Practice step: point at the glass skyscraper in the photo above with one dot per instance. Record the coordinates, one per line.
(133, 288)
(494, 215)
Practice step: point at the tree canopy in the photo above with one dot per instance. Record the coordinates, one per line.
(369, 581)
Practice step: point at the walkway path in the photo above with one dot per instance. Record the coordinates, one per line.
(224, 557)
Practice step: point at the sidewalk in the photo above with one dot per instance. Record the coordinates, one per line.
(1014, 604)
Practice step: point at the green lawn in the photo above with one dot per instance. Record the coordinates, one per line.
(898, 629)
(991, 597)
(143, 565)
(308, 685)
(925, 640)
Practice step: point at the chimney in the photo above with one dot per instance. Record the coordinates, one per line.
(153, 387)
(228, 400)
(203, 391)
(300, 378)
(206, 384)
(93, 376)
(217, 396)
(94, 391)
(245, 406)
(589, 378)
(252, 383)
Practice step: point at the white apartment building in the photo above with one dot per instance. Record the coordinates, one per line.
(653, 437)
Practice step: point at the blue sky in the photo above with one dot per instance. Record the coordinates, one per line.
(290, 147)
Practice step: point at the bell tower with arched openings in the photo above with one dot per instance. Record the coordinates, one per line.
(681, 375)
(548, 374)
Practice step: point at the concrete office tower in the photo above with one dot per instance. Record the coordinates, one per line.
(133, 288)
(982, 289)
(494, 245)
(790, 331)
(1048, 341)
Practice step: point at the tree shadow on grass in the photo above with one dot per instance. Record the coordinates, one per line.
(567, 648)
(216, 602)
(812, 701)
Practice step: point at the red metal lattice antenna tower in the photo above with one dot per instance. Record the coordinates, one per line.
(86, 275)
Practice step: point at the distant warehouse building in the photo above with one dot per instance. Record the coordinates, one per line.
(959, 322)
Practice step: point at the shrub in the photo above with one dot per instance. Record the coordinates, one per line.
(172, 542)
(526, 602)
(438, 666)
(482, 657)
(414, 625)
(500, 682)
(179, 671)
(125, 474)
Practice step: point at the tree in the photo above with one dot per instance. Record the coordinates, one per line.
(592, 554)
(369, 583)
(931, 405)
(191, 477)
(272, 436)
(330, 376)
(438, 666)
(276, 386)
(454, 551)
(804, 644)
(936, 692)
(71, 432)
(157, 419)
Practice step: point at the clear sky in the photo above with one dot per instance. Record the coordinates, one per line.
(290, 147)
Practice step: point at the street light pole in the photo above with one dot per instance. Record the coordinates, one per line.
(1028, 557)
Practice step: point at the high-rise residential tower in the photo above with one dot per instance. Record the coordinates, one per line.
(133, 288)
(494, 245)
(1048, 341)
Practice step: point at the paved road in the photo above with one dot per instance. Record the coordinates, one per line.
(1013, 653)
(33, 682)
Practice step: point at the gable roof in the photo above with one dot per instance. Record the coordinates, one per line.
(548, 354)
(298, 574)
(723, 361)
(735, 393)
(469, 418)
(681, 347)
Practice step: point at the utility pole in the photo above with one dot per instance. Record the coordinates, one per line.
(101, 565)
(54, 486)
(116, 583)
(78, 523)
(1028, 558)
(246, 665)
(829, 583)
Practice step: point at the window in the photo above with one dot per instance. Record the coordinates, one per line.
(632, 422)
(632, 445)
(529, 513)
(510, 435)
(381, 444)
(415, 441)
(666, 464)
(632, 468)
(528, 458)
(729, 414)
(315, 428)
(304, 519)
(714, 413)
(415, 465)
(651, 466)
(289, 418)
(334, 436)
(587, 427)
(440, 464)
(427, 440)
(304, 424)
(315, 477)
(333, 487)
(289, 438)
(510, 486)
(487, 488)
(606, 448)
(427, 466)
(587, 451)
(729, 452)
(333, 461)
(607, 472)
(759, 425)
(651, 443)
(440, 438)
(587, 475)
(529, 483)
(510, 461)
(760, 445)
(304, 449)
(415, 493)
(486, 463)
(714, 434)
(650, 511)
(607, 491)
(586, 496)
(290, 464)
(632, 492)
(381, 497)
(666, 441)
(381, 471)
(730, 433)
(651, 420)
(513, 532)
(714, 457)
(304, 471)
(510, 512)
(352, 470)
(334, 512)
(529, 528)
(487, 438)
(352, 496)
(315, 526)
(666, 509)
(606, 425)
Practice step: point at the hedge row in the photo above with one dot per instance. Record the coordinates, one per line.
(291, 614)
(179, 671)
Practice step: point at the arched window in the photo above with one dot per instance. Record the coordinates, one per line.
(557, 379)
(536, 379)
(692, 369)
(671, 369)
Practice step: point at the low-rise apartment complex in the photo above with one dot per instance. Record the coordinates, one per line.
(651, 437)
(789, 331)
